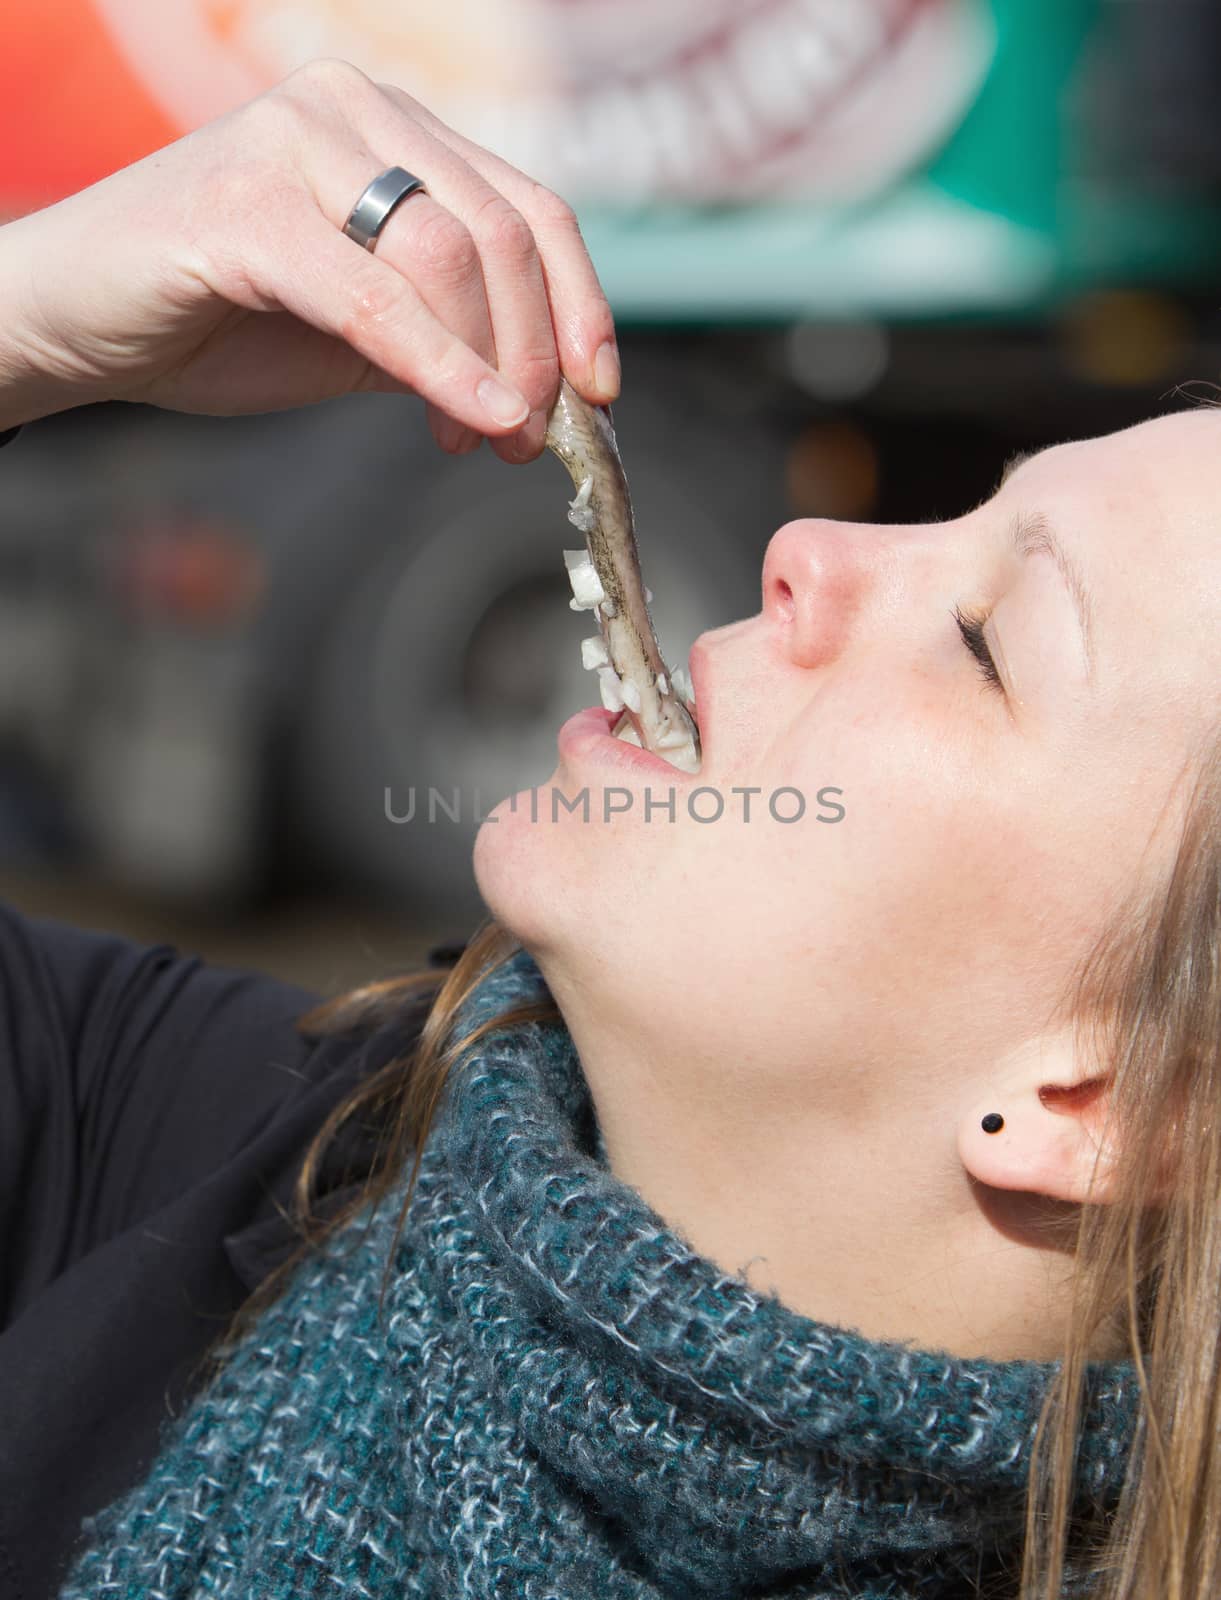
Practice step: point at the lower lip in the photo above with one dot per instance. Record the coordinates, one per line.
(588, 737)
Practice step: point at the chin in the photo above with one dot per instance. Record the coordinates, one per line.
(519, 875)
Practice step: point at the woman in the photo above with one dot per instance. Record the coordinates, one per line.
(850, 1227)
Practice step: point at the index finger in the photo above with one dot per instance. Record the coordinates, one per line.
(580, 312)
(325, 279)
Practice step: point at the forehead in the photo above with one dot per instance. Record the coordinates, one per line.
(1141, 512)
(1163, 477)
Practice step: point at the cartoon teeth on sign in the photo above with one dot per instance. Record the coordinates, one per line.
(615, 101)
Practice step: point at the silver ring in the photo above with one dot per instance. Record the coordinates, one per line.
(369, 214)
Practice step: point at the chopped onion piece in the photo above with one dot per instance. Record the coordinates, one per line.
(628, 735)
(662, 687)
(683, 686)
(586, 586)
(648, 596)
(631, 695)
(611, 688)
(594, 653)
(580, 512)
(606, 607)
(672, 739)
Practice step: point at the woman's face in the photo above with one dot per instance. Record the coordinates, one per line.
(984, 830)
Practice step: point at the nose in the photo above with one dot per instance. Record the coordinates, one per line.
(816, 576)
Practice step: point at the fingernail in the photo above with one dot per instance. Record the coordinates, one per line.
(607, 373)
(504, 405)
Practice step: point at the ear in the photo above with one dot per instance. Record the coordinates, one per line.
(1055, 1116)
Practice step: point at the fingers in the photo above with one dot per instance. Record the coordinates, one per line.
(526, 353)
(580, 314)
(429, 247)
(478, 294)
(335, 285)
(480, 253)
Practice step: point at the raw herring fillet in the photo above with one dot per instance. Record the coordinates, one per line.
(607, 581)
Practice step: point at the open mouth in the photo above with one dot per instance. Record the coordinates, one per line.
(590, 737)
(625, 728)
(623, 699)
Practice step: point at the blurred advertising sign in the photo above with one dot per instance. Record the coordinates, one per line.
(661, 114)
(608, 99)
(729, 158)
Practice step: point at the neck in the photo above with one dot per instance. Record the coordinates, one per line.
(868, 1222)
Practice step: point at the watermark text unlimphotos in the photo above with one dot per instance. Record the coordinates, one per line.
(704, 804)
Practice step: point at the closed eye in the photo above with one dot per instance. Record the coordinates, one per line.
(971, 627)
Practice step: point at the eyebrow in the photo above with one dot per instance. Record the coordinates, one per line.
(1032, 534)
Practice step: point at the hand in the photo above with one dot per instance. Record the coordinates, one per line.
(213, 276)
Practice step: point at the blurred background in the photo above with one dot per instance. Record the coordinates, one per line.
(859, 251)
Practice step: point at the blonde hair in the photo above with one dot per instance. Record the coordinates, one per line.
(1151, 1256)
(1148, 1261)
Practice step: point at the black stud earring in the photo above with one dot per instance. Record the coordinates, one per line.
(993, 1122)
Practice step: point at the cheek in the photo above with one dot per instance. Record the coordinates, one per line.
(941, 868)
(914, 867)
(982, 889)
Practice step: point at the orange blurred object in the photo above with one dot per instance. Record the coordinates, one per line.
(1127, 337)
(196, 573)
(71, 108)
(833, 470)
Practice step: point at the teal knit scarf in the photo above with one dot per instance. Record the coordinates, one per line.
(562, 1400)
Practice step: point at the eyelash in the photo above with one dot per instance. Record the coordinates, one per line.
(971, 626)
